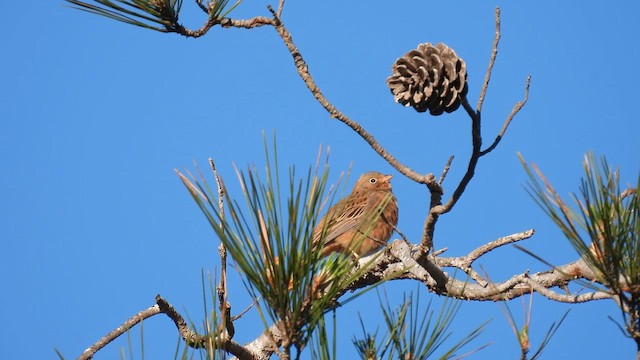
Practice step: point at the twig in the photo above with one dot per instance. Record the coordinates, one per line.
(628, 191)
(436, 208)
(440, 251)
(211, 21)
(426, 244)
(569, 298)
(225, 23)
(280, 7)
(222, 251)
(202, 6)
(516, 108)
(492, 60)
(471, 167)
(225, 307)
(464, 262)
(246, 24)
(473, 114)
(395, 228)
(191, 338)
(241, 313)
(481, 250)
(135, 319)
(303, 71)
(220, 187)
(447, 166)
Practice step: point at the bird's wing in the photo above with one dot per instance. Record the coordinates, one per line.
(352, 214)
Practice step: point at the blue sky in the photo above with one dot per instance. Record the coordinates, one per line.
(95, 115)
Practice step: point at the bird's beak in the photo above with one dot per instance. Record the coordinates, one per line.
(387, 178)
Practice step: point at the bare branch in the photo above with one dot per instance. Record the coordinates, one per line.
(202, 6)
(433, 275)
(440, 251)
(193, 339)
(492, 60)
(220, 187)
(280, 7)
(246, 24)
(426, 244)
(436, 209)
(522, 284)
(464, 262)
(429, 227)
(226, 325)
(480, 251)
(516, 108)
(628, 191)
(516, 286)
(567, 298)
(225, 23)
(267, 343)
(180, 29)
(474, 115)
(303, 71)
(473, 161)
(190, 337)
(445, 170)
(222, 251)
(135, 319)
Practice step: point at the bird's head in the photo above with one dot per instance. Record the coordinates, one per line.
(373, 180)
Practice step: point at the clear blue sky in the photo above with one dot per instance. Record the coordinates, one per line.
(95, 115)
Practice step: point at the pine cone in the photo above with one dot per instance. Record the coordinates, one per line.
(429, 78)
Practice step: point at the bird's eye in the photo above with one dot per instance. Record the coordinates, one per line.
(372, 180)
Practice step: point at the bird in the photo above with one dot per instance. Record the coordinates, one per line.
(362, 222)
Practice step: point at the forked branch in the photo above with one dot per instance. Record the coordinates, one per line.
(400, 258)
(191, 338)
(437, 208)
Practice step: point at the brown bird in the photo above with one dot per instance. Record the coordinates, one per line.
(362, 222)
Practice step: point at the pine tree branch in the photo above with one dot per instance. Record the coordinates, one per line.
(516, 108)
(114, 334)
(398, 257)
(305, 75)
(191, 338)
(492, 61)
(436, 208)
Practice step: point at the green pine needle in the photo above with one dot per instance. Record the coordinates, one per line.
(142, 13)
(269, 239)
(603, 225)
(157, 15)
(414, 332)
